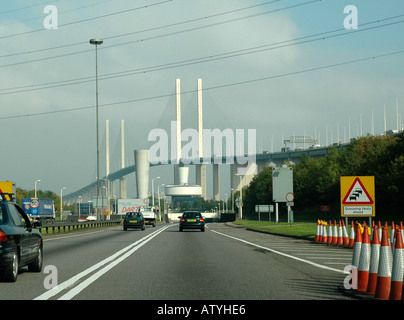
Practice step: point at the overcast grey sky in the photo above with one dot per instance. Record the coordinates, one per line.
(285, 67)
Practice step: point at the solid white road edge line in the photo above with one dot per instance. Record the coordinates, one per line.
(131, 248)
(283, 254)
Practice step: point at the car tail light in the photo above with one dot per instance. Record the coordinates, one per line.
(201, 220)
(3, 236)
(182, 220)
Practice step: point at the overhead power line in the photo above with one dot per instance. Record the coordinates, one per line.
(203, 18)
(257, 49)
(210, 88)
(158, 36)
(88, 19)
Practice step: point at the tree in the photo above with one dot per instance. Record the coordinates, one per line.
(259, 191)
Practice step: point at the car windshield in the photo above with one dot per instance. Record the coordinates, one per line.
(146, 209)
(191, 215)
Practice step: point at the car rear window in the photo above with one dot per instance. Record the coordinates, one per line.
(133, 215)
(191, 215)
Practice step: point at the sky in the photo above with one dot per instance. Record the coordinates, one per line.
(284, 68)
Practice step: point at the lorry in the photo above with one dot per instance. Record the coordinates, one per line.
(39, 209)
(149, 215)
(8, 188)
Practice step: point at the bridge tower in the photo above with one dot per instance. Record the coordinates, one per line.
(200, 168)
(122, 182)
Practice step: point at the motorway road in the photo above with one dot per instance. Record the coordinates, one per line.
(222, 263)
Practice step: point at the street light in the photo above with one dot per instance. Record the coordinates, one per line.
(97, 42)
(79, 205)
(241, 195)
(158, 196)
(152, 186)
(36, 187)
(61, 201)
(232, 200)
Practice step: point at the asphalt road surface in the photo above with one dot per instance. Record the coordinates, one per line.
(161, 263)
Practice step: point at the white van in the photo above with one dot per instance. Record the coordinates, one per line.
(149, 215)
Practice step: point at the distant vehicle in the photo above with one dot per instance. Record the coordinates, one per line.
(133, 220)
(89, 218)
(20, 243)
(39, 209)
(192, 220)
(149, 215)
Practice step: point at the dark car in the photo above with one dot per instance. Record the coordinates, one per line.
(192, 220)
(133, 220)
(20, 243)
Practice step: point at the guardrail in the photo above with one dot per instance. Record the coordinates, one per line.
(67, 226)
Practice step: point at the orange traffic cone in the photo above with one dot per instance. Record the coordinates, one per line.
(357, 247)
(364, 261)
(371, 230)
(352, 235)
(344, 234)
(398, 268)
(329, 240)
(383, 285)
(374, 261)
(380, 231)
(322, 231)
(340, 240)
(393, 229)
(317, 231)
(402, 230)
(334, 234)
(325, 238)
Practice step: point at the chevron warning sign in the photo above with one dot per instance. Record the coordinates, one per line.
(357, 196)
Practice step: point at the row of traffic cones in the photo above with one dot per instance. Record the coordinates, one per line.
(379, 259)
(335, 236)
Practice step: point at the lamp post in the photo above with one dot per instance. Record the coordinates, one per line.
(36, 187)
(232, 200)
(61, 202)
(158, 195)
(241, 196)
(152, 186)
(97, 42)
(79, 205)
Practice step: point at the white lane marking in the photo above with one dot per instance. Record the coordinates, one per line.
(126, 252)
(283, 254)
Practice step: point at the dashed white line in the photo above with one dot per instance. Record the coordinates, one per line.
(283, 254)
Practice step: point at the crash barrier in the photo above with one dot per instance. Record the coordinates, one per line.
(377, 259)
(67, 226)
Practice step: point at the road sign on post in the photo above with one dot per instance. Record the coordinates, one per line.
(358, 196)
(282, 186)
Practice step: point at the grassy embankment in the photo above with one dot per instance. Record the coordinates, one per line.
(301, 229)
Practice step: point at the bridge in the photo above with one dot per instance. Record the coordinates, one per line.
(242, 167)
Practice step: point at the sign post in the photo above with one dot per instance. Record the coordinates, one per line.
(264, 208)
(282, 187)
